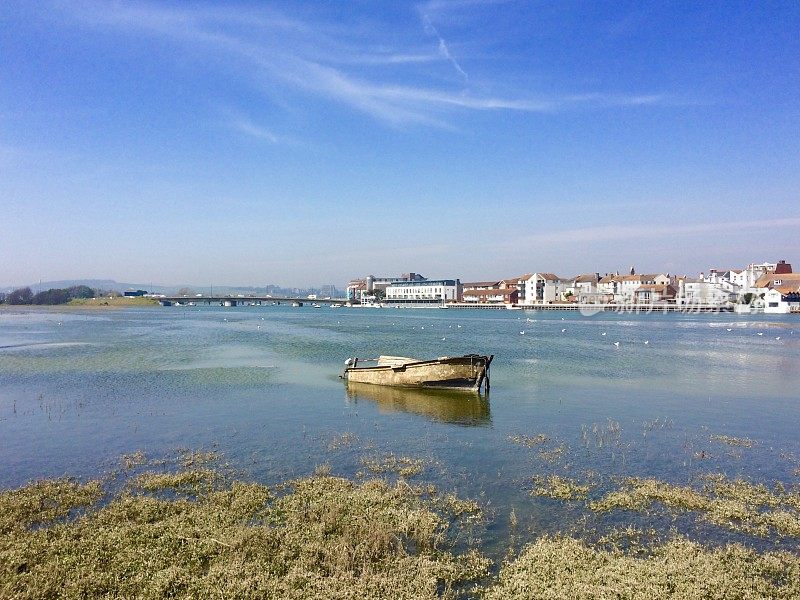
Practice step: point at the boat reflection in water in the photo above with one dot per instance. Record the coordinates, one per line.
(448, 406)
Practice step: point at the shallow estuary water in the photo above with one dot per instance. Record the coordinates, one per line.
(80, 388)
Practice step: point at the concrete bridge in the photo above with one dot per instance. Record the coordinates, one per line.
(208, 300)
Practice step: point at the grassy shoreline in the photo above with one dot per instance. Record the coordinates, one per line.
(190, 528)
(89, 303)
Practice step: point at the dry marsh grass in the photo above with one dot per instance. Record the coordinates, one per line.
(528, 440)
(561, 567)
(559, 488)
(737, 504)
(316, 537)
(404, 466)
(198, 533)
(43, 503)
(729, 440)
(345, 440)
(554, 454)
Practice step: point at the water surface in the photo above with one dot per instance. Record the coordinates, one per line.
(79, 388)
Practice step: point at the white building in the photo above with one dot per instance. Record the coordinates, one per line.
(369, 287)
(584, 287)
(747, 278)
(698, 292)
(782, 300)
(629, 284)
(608, 287)
(544, 288)
(623, 288)
(424, 292)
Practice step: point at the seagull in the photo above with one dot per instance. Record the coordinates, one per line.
(616, 344)
(759, 333)
(777, 338)
(258, 326)
(459, 326)
(563, 330)
(646, 342)
(444, 338)
(729, 329)
(603, 333)
(522, 332)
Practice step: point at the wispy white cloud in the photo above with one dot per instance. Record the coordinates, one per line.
(388, 59)
(247, 127)
(444, 51)
(311, 57)
(628, 232)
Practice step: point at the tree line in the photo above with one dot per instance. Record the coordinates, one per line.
(52, 296)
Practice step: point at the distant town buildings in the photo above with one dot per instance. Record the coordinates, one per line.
(764, 287)
(372, 288)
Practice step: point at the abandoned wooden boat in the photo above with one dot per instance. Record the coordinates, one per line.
(468, 372)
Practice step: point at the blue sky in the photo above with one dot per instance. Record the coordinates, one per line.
(309, 142)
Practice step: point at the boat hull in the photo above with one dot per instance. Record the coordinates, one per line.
(461, 372)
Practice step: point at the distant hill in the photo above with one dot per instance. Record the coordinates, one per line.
(102, 284)
(110, 284)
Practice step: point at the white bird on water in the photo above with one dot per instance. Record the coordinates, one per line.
(759, 333)
(444, 338)
(777, 338)
(522, 332)
(563, 330)
(603, 333)
(646, 342)
(616, 344)
(729, 329)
